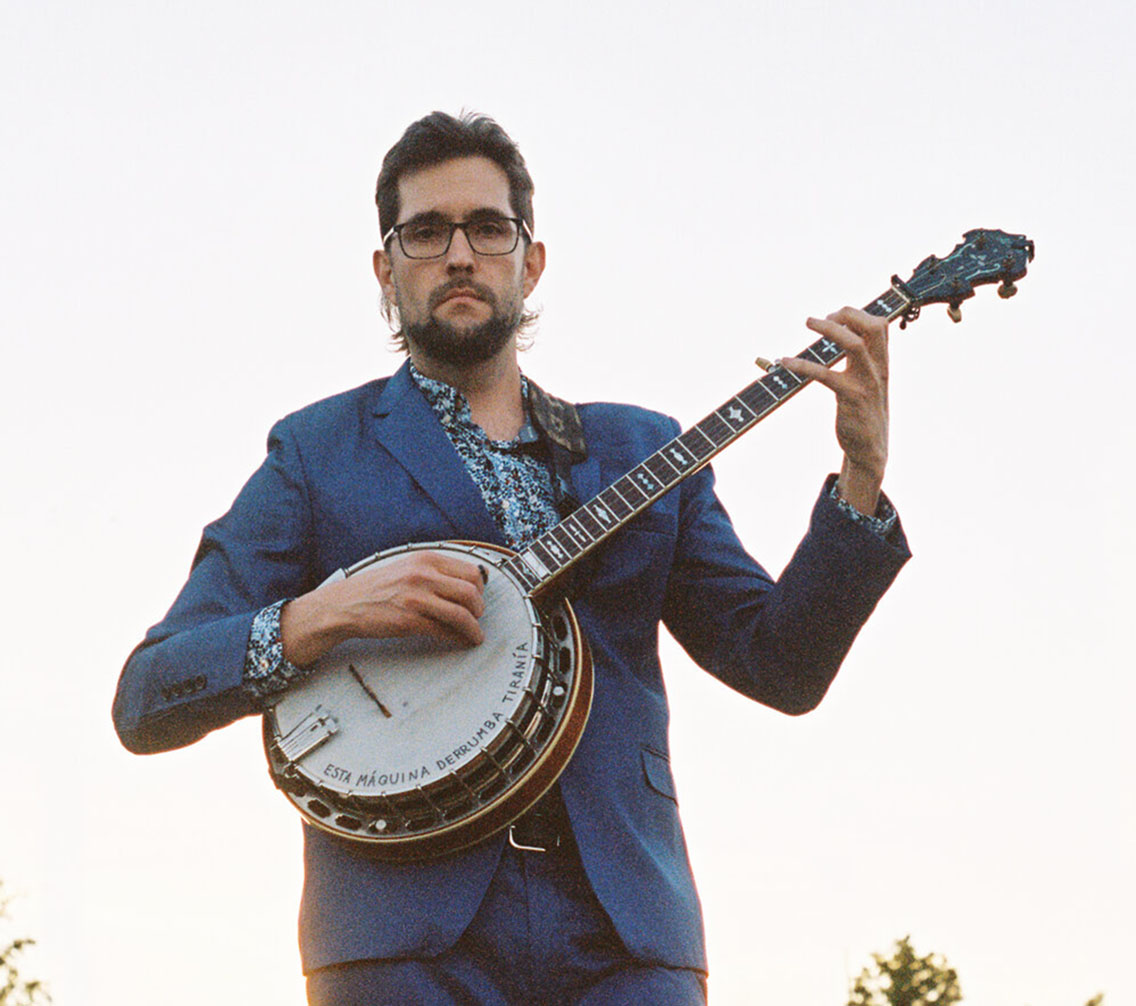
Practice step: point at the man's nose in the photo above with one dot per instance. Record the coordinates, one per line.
(460, 254)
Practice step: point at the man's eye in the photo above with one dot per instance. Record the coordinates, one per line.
(490, 228)
(424, 232)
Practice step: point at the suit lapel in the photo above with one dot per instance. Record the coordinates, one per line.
(406, 426)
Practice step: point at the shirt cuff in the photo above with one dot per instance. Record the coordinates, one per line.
(266, 672)
(881, 523)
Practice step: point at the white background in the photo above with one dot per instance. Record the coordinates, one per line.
(186, 223)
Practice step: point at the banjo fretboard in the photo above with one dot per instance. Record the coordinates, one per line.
(549, 555)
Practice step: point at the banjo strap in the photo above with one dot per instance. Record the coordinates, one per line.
(559, 422)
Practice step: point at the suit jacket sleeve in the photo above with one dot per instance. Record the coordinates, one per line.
(779, 642)
(185, 678)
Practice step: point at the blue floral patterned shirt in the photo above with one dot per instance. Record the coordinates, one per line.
(514, 476)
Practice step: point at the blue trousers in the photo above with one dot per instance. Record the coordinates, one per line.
(540, 938)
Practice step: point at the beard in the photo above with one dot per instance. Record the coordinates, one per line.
(463, 346)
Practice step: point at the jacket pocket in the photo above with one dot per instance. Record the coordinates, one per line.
(657, 772)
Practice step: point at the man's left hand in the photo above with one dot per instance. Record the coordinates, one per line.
(861, 400)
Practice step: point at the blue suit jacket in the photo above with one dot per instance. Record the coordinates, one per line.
(370, 469)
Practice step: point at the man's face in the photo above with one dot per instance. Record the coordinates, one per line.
(461, 308)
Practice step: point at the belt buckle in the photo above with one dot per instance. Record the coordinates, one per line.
(513, 841)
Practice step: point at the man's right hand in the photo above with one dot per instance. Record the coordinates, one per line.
(423, 594)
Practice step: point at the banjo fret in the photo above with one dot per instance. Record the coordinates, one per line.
(661, 467)
(735, 415)
(591, 524)
(576, 529)
(619, 504)
(560, 543)
(697, 442)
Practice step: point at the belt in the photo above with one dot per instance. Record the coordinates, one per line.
(544, 827)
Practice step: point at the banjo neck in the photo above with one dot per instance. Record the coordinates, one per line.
(984, 256)
(543, 561)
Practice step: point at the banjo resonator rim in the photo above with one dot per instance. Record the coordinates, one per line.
(482, 795)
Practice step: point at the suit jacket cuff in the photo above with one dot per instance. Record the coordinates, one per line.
(884, 523)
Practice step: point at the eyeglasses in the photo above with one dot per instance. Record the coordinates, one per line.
(431, 237)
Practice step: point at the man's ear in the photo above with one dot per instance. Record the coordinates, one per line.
(383, 273)
(533, 266)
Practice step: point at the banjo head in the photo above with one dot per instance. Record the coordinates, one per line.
(418, 748)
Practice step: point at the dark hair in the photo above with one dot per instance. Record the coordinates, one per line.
(440, 137)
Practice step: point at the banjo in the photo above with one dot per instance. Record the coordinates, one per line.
(416, 749)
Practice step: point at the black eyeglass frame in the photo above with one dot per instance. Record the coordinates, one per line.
(454, 225)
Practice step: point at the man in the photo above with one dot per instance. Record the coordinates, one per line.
(588, 899)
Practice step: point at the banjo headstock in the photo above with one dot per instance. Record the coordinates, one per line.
(984, 256)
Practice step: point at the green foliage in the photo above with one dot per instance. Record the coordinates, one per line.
(14, 989)
(905, 979)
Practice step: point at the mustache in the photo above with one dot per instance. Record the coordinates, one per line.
(478, 290)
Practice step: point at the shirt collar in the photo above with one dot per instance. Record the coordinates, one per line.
(557, 419)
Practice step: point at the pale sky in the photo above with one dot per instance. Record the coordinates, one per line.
(186, 224)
